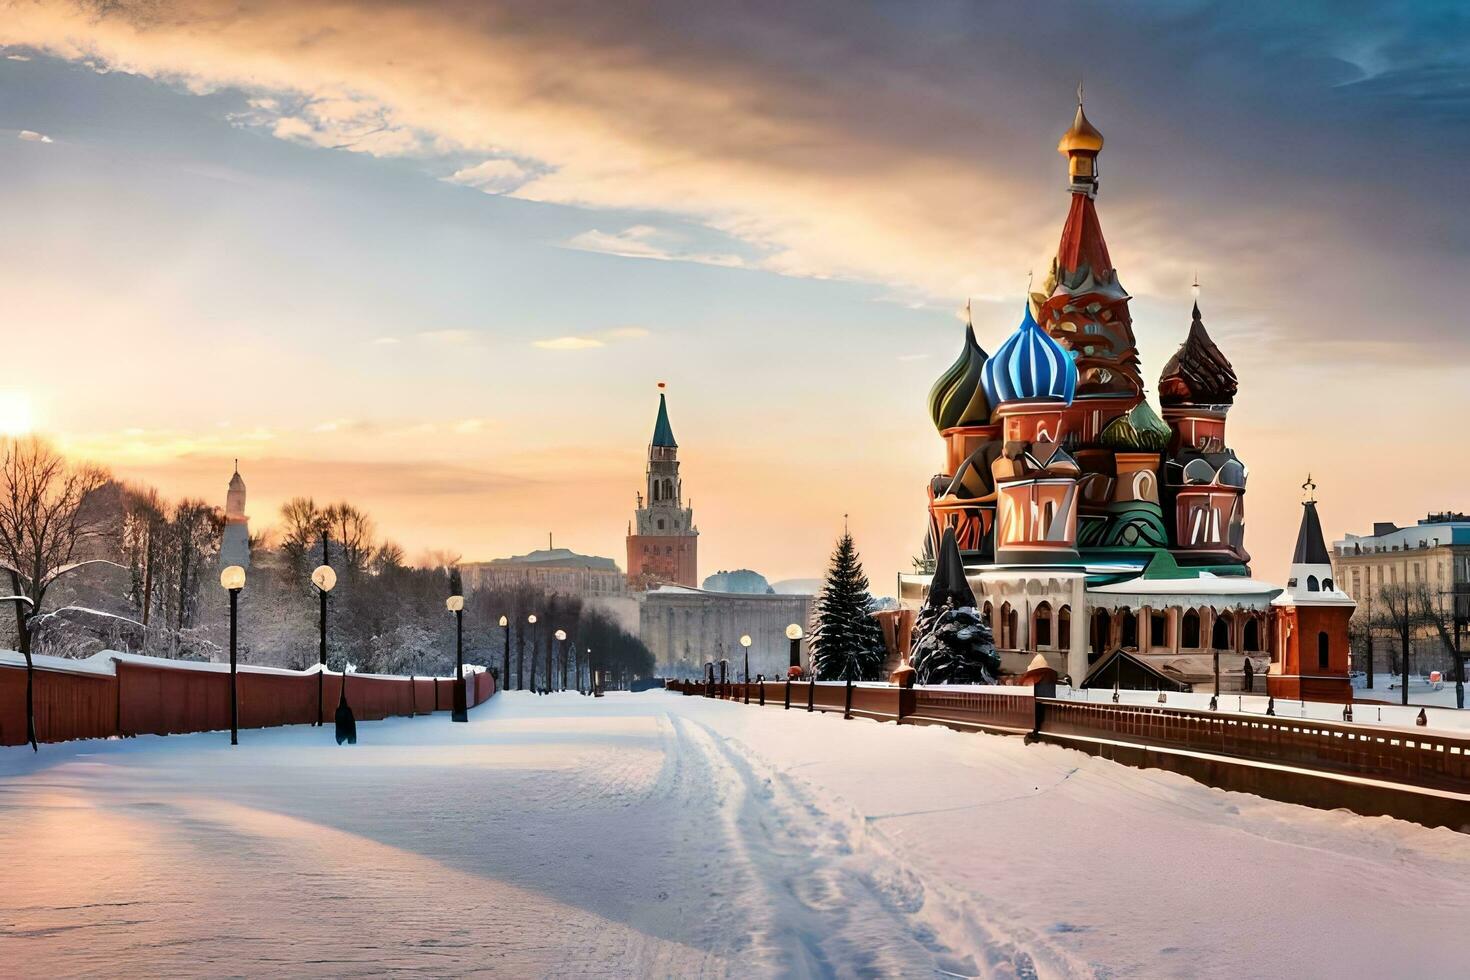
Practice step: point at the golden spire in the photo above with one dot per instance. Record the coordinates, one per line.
(1080, 145)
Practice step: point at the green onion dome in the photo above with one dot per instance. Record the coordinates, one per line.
(958, 397)
(1139, 431)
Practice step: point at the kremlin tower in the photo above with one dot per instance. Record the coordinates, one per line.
(235, 544)
(663, 542)
(1097, 532)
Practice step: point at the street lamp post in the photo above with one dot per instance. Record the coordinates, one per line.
(745, 685)
(794, 634)
(324, 578)
(233, 579)
(505, 658)
(561, 655)
(455, 604)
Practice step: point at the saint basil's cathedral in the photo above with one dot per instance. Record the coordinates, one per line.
(1104, 536)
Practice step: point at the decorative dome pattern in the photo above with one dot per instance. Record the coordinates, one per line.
(1139, 431)
(958, 397)
(1030, 365)
(1198, 373)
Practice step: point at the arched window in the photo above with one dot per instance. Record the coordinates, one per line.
(1102, 631)
(986, 611)
(1130, 630)
(1064, 628)
(1232, 474)
(1013, 627)
(1190, 635)
(1327, 585)
(1220, 634)
(1004, 635)
(1312, 583)
(1322, 644)
(1252, 635)
(1158, 628)
(656, 487)
(1198, 471)
(1041, 626)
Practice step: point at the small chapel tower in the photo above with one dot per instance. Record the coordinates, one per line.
(1311, 620)
(235, 545)
(662, 539)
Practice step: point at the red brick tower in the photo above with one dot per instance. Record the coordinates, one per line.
(1310, 622)
(663, 543)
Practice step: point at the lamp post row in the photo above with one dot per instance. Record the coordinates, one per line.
(324, 577)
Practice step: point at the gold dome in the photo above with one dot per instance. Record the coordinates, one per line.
(1083, 137)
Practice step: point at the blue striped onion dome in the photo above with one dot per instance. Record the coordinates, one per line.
(1030, 365)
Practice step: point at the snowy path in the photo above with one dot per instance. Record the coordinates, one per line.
(656, 835)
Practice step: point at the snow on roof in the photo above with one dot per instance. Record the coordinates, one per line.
(1235, 590)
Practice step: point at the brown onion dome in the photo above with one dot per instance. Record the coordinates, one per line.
(958, 397)
(1139, 431)
(1197, 374)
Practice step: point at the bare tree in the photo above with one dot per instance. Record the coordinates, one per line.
(387, 559)
(1398, 612)
(302, 525)
(352, 530)
(1437, 611)
(47, 529)
(142, 522)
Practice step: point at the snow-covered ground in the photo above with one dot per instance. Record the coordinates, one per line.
(659, 835)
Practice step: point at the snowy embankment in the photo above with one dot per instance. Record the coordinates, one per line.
(652, 834)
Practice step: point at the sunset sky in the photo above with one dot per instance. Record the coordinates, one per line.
(434, 257)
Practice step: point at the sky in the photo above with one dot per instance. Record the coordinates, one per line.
(433, 258)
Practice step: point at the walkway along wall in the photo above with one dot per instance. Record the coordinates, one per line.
(1413, 774)
(125, 694)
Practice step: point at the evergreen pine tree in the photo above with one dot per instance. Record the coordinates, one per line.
(846, 641)
(951, 644)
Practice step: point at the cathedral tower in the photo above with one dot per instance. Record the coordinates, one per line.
(662, 539)
(235, 543)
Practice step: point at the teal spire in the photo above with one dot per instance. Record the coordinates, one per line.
(663, 433)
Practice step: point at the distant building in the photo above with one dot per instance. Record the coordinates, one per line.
(663, 543)
(235, 544)
(1433, 553)
(686, 627)
(741, 580)
(557, 570)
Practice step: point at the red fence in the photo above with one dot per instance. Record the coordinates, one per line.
(149, 696)
(1414, 774)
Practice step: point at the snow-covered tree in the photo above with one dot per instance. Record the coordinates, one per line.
(50, 525)
(952, 644)
(846, 640)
